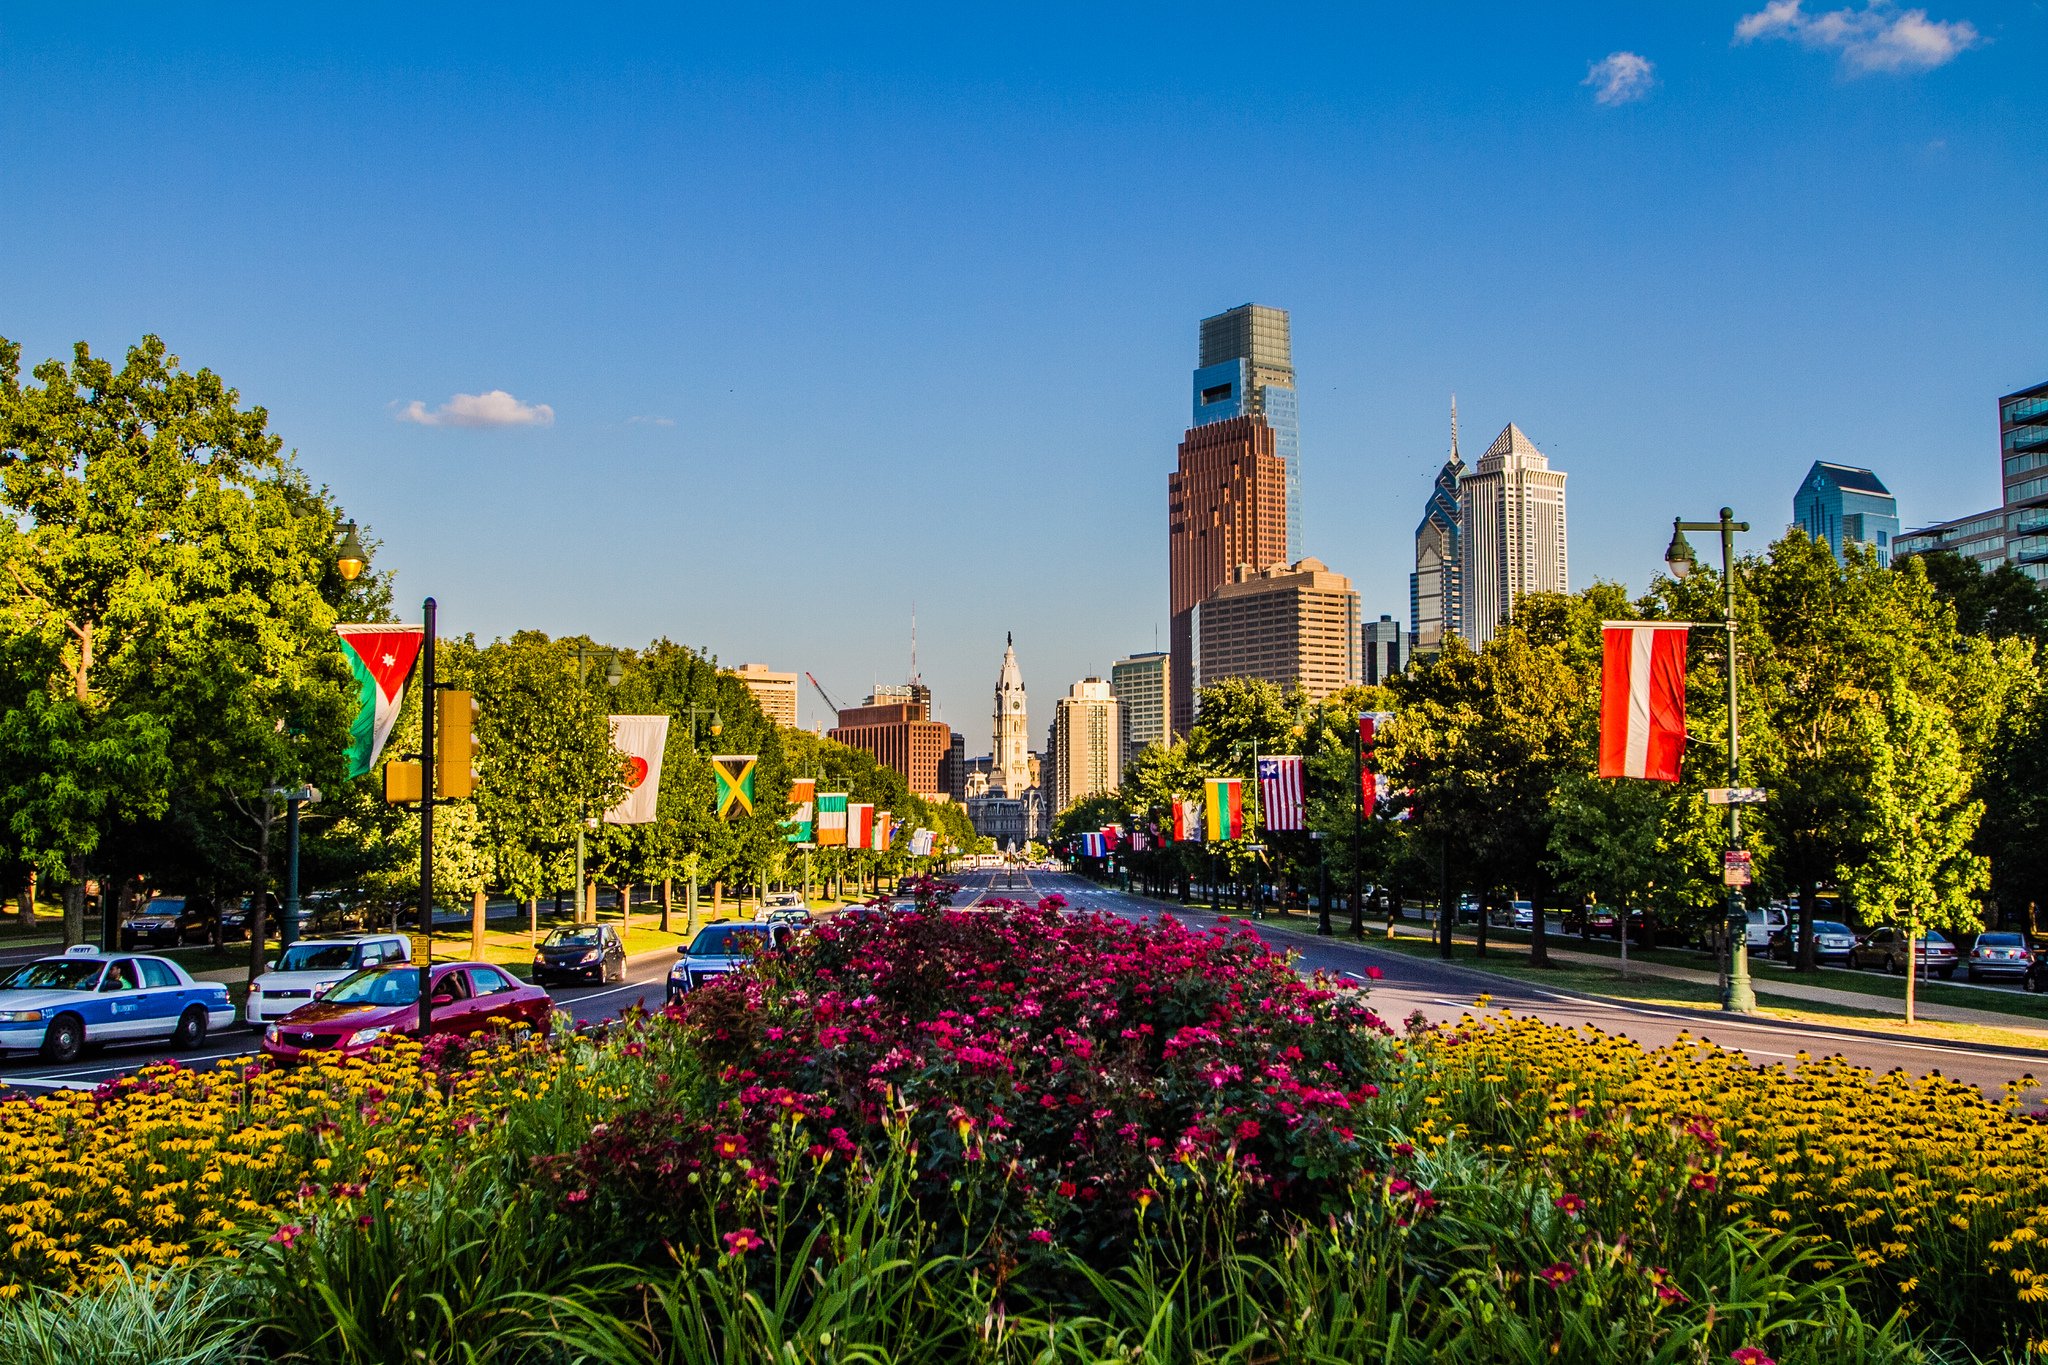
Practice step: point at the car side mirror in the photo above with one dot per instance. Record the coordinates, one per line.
(683, 950)
(271, 965)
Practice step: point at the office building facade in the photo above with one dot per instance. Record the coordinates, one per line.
(775, 691)
(1435, 601)
(1144, 690)
(1085, 752)
(1382, 652)
(2023, 456)
(1511, 536)
(1294, 625)
(1246, 369)
(1980, 537)
(900, 735)
(1841, 505)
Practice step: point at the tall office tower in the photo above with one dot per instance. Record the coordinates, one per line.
(1382, 649)
(896, 727)
(775, 691)
(1086, 745)
(1292, 625)
(1839, 503)
(1511, 533)
(953, 768)
(1226, 505)
(1142, 688)
(1012, 748)
(1247, 370)
(2023, 448)
(1435, 604)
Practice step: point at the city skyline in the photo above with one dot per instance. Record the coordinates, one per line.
(561, 313)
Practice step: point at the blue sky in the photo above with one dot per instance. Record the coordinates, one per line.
(831, 311)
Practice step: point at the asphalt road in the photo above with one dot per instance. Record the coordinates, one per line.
(1440, 991)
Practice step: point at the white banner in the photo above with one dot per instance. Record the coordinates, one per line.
(640, 739)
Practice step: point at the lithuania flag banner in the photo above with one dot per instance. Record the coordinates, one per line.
(735, 774)
(382, 659)
(1224, 813)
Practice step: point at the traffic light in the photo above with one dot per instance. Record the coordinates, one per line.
(455, 745)
(401, 781)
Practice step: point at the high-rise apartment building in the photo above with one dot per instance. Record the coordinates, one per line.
(2023, 451)
(1143, 688)
(1086, 749)
(1295, 625)
(901, 734)
(1840, 504)
(1435, 604)
(1980, 537)
(1382, 650)
(1226, 506)
(1511, 533)
(953, 769)
(775, 691)
(1246, 369)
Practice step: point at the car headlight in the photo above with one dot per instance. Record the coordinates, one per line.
(273, 1034)
(368, 1035)
(22, 1016)
(591, 956)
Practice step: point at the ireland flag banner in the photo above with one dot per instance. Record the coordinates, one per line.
(382, 657)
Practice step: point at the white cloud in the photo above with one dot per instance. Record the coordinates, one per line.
(650, 421)
(494, 409)
(1620, 78)
(1878, 37)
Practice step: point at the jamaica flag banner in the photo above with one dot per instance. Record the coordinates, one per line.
(735, 773)
(381, 658)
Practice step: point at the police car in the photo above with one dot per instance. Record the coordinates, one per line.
(56, 1005)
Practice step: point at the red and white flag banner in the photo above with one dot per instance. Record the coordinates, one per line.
(640, 741)
(1642, 699)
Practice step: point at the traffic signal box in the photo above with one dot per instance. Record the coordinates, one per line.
(454, 754)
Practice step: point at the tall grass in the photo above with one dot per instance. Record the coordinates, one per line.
(164, 1318)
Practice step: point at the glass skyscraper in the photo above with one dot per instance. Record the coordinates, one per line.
(1246, 369)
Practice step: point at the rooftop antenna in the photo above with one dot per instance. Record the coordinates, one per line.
(1454, 428)
(915, 676)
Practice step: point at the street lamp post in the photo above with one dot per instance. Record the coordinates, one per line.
(1322, 884)
(1679, 558)
(303, 794)
(613, 676)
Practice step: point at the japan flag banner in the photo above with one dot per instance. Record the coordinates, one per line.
(1642, 699)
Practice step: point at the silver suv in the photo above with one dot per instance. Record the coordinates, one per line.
(307, 969)
(721, 948)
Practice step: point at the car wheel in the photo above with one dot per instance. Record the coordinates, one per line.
(191, 1030)
(1948, 975)
(65, 1039)
(2032, 983)
(1970, 975)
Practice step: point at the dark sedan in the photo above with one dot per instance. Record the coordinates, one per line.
(380, 1002)
(583, 952)
(168, 922)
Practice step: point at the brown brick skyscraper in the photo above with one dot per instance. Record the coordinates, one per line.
(1226, 505)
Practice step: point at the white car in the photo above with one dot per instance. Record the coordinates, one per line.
(1764, 922)
(57, 1005)
(309, 968)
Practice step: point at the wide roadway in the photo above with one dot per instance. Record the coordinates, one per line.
(1438, 990)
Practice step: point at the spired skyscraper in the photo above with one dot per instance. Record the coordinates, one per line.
(1435, 603)
(1511, 533)
(1246, 369)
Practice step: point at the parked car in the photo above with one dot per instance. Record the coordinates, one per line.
(57, 1005)
(1885, 946)
(168, 921)
(1523, 914)
(1598, 919)
(1764, 921)
(580, 952)
(311, 967)
(384, 1001)
(1999, 953)
(1833, 943)
(721, 948)
(787, 907)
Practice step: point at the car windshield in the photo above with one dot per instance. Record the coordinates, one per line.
(1934, 936)
(53, 974)
(379, 986)
(726, 940)
(318, 957)
(1831, 926)
(1998, 940)
(586, 937)
(164, 908)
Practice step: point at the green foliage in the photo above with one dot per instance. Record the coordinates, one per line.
(178, 1317)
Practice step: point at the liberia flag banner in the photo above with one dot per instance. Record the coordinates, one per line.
(831, 819)
(1642, 699)
(1223, 809)
(640, 741)
(860, 825)
(1372, 784)
(1280, 792)
(381, 657)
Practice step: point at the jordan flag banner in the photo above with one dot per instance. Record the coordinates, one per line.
(735, 774)
(1223, 809)
(641, 740)
(860, 825)
(1642, 700)
(803, 796)
(831, 819)
(381, 657)
(1280, 783)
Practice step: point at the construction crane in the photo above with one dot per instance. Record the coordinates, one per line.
(823, 693)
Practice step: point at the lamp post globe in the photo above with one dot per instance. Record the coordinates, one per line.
(350, 559)
(1678, 555)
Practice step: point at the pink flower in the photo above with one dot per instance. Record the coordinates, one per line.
(1750, 1355)
(1702, 1181)
(577, 1196)
(741, 1242)
(731, 1146)
(1571, 1204)
(1374, 974)
(1041, 1236)
(1557, 1275)
(287, 1235)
